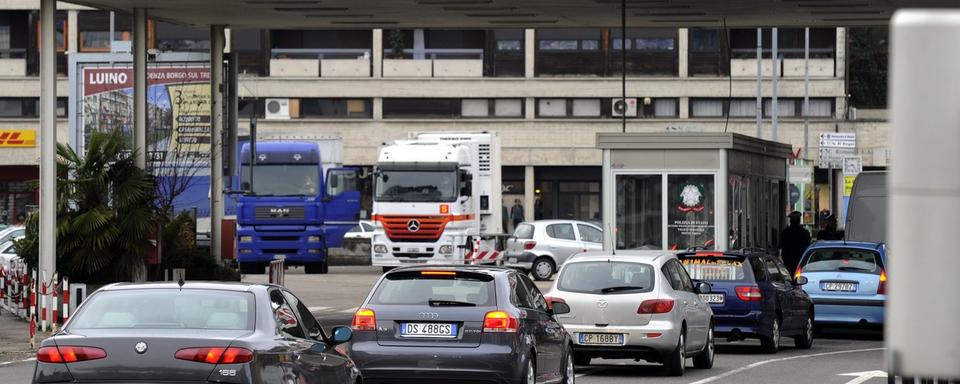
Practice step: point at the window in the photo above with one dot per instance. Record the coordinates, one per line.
(691, 211)
(475, 108)
(340, 181)
(705, 56)
(590, 234)
(639, 214)
(715, 268)
(599, 277)
(785, 107)
(672, 276)
(773, 271)
(552, 107)
(509, 45)
(706, 108)
(586, 107)
(336, 108)
(247, 43)
(519, 292)
(561, 232)
(421, 108)
(508, 107)
(285, 316)
(524, 231)
(756, 266)
(182, 38)
(314, 330)
(685, 281)
(503, 55)
(536, 298)
(589, 45)
(11, 108)
(14, 34)
(820, 108)
(790, 42)
(743, 108)
(665, 107)
(558, 45)
(562, 52)
(704, 40)
(146, 309)
(411, 288)
(843, 260)
(94, 29)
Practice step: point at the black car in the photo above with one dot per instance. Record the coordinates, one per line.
(194, 333)
(753, 296)
(460, 323)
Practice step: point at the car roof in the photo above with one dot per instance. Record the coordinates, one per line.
(215, 285)
(845, 244)
(624, 255)
(485, 269)
(555, 221)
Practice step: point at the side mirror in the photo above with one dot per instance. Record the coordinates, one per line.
(342, 335)
(466, 189)
(800, 280)
(560, 308)
(704, 288)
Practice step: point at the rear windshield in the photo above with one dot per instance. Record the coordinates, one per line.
(715, 269)
(167, 309)
(604, 277)
(412, 288)
(523, 231)
(843, 260)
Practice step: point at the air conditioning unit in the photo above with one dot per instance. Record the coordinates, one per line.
(621, 106)
(278, 109)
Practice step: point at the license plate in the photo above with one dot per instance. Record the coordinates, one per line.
(601, 338)
(713, 298)
(428, 330)
(413, 250)
(512, 260)
(839, 287)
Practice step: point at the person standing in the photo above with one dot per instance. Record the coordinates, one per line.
(516, 213)
(829, 230)
(794, 242)
(506, 219)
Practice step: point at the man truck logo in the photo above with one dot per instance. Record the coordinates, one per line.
(18, 138)
(413, 225)
(279, 212)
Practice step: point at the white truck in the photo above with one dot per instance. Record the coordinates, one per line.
(437, 200)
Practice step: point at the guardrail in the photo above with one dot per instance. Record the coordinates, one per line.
(20, 290)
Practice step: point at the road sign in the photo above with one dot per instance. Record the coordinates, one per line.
(838, 140)
(834, 147)
(852, 165)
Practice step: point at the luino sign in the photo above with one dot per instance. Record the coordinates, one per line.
(18, 138)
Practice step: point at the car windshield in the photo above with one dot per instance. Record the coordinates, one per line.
(282, 179)
(166, 309)
(415, 288)
(416, 185)
(843, 260)
(715, 269)
(606, 277)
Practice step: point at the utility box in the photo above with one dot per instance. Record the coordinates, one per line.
(676, 191)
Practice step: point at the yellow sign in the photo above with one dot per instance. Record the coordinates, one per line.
(848, 185)
(18, 138)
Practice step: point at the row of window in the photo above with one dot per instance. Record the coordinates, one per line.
(27, 107)
(747, 107)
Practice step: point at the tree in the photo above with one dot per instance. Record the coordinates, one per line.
(105, 213)
(396, 43)
(868, 56)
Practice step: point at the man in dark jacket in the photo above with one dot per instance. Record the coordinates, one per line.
(794, 242)
(829, 230)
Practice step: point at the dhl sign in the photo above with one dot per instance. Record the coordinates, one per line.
(20, 138)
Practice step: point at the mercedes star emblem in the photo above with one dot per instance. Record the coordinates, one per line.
(413, 225)
(602, 304)
(141, 347)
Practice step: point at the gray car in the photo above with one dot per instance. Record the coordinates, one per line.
(460, 323)
(541, 247)
(194, 333)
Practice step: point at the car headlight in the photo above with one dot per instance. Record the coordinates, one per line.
(313, 251)
(446, 249)
(313, 239)
(379, 248)
(246, 239)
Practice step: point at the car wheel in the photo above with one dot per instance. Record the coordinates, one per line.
(705, 359)
(530, 373)
(569, 372)
(543, 268)
(771, 344)
(580, 359)
(251, 268)
(676, 361)
(805, 340)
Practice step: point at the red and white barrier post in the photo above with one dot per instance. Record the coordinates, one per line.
(33, 311)
(54, 319)
(66, 299)
(43, 301)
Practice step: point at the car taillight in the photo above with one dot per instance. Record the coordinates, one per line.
(69, 354)
(499, 321)
(882, 287)
(655, 306)
(551, 300)
(747, 293)
(215, 355)
(364, 320)
(529, 245)
(797, 273)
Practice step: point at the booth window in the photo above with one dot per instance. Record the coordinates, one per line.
(94, 29)
(639, 213)
(691, 206)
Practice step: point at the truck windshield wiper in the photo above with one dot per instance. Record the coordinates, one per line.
(621, 288)
(450, 303)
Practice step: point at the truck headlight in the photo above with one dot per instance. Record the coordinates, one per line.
(379, 248)
(313, 239)
(313, 251)
(246, 239)
(446, 249)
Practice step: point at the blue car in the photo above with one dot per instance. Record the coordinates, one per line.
(847, 282)
(753, 296)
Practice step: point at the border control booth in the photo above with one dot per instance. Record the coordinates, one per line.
(676, 191)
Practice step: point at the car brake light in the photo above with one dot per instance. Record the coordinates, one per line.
(747, 293)
(551, 300)
(499, 321)
(438, 273)
(655, 306)
(529, 245)
(882, 287)
(215, 355)
(69, 354)
(709, 254)
(364, 320)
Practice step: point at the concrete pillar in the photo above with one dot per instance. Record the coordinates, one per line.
(48, 138)
(683, 52)
(140, 86)
(721, 235)
(529, 198)
(529, 53)
(377, 108)
(377, 55)
(608, 200)
(73, 34)
(530, 109)
(841, 53)
(684, 107)
(216, 139)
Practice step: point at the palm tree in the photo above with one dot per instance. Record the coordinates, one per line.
(105, 212)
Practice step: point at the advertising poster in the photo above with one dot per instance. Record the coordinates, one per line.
(178, 111)
(691, 220)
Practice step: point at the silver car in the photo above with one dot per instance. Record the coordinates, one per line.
(638, 305)
(540, 247)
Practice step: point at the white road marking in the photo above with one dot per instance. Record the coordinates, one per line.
(765, 362)
(5, 363)
(863, 377)
(590, 371)
(317, 309)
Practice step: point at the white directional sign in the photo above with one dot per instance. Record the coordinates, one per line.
(835, 146)
(838, 140)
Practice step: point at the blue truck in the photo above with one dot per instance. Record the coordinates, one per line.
(295, 208)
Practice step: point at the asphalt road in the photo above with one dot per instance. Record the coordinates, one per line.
(334, 298)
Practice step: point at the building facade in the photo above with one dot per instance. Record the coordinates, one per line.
(547, 91)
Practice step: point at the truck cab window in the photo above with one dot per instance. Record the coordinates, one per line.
(416, 185)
